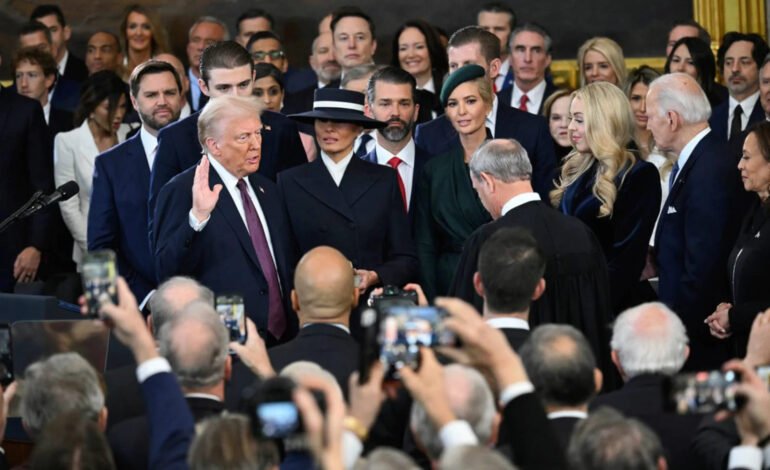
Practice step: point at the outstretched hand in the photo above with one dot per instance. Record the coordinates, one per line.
(204, 198)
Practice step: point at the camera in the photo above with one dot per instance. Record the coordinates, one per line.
(393, 296)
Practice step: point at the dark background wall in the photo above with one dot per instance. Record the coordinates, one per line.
(639, 26)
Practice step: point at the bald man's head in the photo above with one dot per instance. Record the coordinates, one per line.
(324, 288)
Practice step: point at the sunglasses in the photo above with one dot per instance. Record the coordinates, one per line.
(261, 55)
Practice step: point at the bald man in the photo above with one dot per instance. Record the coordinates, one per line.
(323, 296)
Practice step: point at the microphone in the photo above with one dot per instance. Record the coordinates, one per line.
(62, 193)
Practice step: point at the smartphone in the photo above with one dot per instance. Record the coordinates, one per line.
(403, 330)
(100, 274)
(702, 392)
(232, 312)
(369, 351)
(6, 358)
(273, 412)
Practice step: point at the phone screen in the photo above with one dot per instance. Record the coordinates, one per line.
(6, 359)
(279, 419)
(99, 272)
(702, 392)
(232, 312)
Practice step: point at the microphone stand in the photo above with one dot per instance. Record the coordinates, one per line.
(21, 212)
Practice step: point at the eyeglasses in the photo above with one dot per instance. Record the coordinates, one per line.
(274, 55)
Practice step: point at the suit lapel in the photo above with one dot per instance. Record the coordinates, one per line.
(684, 172)
(226, 207)
(317, 181)
(356, 181)
(136, 162)
(271, 212)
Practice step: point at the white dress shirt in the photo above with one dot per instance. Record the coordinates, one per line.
(185, 111)
(508, 322)
(500, 79)
(150, 144)
(491, 120)
(405, 169)
(687, 150)
(534, 97)
(47, 112)
(195, 90)
(518, 200)
(336, 170)
(747, 106)
(62, 65)
(568, 414)
(430, 86)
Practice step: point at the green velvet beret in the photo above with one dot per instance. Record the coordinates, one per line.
(464, 74)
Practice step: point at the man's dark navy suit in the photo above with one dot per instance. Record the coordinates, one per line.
(696, 231)
(221, 256)
(720, 117)
(506, 94)
(117, 217)
(438, 137)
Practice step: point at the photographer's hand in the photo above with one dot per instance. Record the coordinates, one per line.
(758, 348)
(128, 324)
(753, 419)
(254, 352)
(427, 386)
(324, 433)
(422, 301)
(365, 400)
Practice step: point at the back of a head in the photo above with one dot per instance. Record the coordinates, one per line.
(608, 441)
(504, 159)
(680, 93)
(470, 399)
(488, 43)
(560, 363)
(386, 458)
(63, 382)
(324, 284)
(298, 371)
(173, 295)
(473, 457)
(649, 339)
(226, 442)
(71, 442)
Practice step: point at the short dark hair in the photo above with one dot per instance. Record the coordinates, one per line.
(560, 363)
(438, 60)
(703, 34)
(510, 265)
(348, 10)
(702, 59)
(151, 67)
(102, 85)
(394, 75)
(252, 13)
(499, 7)
(34, 26)
(758, 51)
(223, 55)
(114, 36)
(263, 69)
(35, 56)
(260, 35)
(488, 42)
(44, 10)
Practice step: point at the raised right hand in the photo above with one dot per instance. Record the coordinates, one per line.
(204, 198)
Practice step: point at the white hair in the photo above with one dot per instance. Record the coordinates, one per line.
(299, 369)
(503, 159)
(649, 339)
(692, 105)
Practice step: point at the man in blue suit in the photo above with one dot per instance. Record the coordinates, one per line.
(472, 45)
(391, 93)
(225, 225)
(226, 68)
(117, 217)
(697, 226)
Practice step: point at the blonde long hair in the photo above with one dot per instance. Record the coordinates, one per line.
(609, 127)
(610, 50)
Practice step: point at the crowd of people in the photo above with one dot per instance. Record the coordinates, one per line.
(587, 246)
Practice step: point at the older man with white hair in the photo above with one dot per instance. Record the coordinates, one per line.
(699, 220)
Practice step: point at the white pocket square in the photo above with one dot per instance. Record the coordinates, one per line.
(671, 210)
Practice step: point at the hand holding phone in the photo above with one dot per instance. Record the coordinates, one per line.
(232, 312)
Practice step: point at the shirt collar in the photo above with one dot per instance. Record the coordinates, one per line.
(47, 113)
(568, 414)
(430, 86)
(406, 154)
(229, 180)
(149, 141)
(535, 95)
(62, 65)
(684, 155)
(747, 105)
(508, 322)
(336, 170)
(185, 111)
(338, 325)
(203, 395)
(491, 120)
(519, 200)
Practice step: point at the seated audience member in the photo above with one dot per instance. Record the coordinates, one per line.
(576, 285)
(117, 216)
(269, 87)
(35, 76)
(251, 21)
(747, 265)
(687, 28)
(353, 37)
(499, 19)
(177, 64)
(62, 383)
(195, 344)
(228, 441)
(562, 367)
(204, 32)
(601, 59)
(103, 52)
(556, 112)
(478, 456)
(649, 343)
(694, 57)
(98, 120)
(608, 441)
(324, 295)
(265, 47)
(70, 67)
(142, 35)
(71, 441)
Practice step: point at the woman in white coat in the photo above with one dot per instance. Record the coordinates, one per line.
(99, 118)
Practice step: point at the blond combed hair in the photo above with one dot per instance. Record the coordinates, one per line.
(610, 50)
(609, 127)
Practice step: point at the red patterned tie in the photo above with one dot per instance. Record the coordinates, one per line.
(394, 162)
(523, 103)
(276, 318)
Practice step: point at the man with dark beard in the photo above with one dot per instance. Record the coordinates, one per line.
(391, 98)
(117, 218)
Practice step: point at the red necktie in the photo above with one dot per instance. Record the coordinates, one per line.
(523, 102)
(394, 162)
(276, 318)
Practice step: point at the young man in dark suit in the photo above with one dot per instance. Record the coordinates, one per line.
(117, 218)
(70, 66)
(472, 45)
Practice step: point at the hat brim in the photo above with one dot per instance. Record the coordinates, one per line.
(338, 115)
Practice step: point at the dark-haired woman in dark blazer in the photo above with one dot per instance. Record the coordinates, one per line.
(748, 265)
(694, 57)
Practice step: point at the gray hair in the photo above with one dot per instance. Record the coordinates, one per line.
(62, 383)
(210, 19)
(386, 458)
(470, 457)
(532, 28)
(606, 440)
(692, 105)
(202, 363)
(299, 369)
(649, 345)
(220, 110)
(470, 399)
(358, 72)
(162, 306)
(503, 159)
(560, 363)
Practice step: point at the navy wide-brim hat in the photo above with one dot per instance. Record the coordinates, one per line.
(334, 104)
(464, 74)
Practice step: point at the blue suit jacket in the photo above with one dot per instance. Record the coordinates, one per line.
(363, 218)
(506, 94)
(172, 428)
(720, 115)
(695, 233)
(117, 217)
(438, 137)
(221, 255)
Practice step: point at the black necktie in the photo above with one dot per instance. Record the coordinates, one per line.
(361, 151)
(736, 126)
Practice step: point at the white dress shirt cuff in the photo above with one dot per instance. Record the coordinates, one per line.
(515, 391)
(745, 457)
(149, 368)
(198, 226)
(351, 449)
(457, 433)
